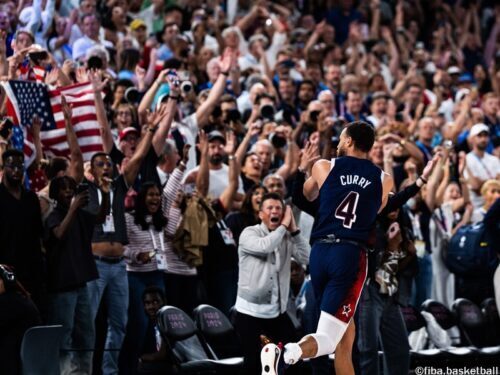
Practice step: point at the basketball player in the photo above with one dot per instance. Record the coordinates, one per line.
(351, 191)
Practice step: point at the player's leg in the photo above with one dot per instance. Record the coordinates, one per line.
(343, 354)
(346, 267)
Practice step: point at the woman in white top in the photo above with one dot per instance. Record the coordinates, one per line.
(450, 206)
(149, 227)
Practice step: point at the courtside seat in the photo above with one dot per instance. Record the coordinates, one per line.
(415, 323)
(460, 354)
(474, 329)
(492, 319)
(217, 332)
(185, 348)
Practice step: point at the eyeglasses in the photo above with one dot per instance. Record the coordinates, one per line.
(124, 113)
(14, 165)
(101, 164)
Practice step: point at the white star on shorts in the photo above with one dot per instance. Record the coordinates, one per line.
(347, 310)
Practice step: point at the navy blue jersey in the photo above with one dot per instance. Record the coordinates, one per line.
(349, 200)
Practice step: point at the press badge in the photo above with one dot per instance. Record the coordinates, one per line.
(109, 224)
(420, 247)
(161, 260)
(226, 233)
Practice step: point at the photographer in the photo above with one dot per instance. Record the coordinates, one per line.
(17, 314)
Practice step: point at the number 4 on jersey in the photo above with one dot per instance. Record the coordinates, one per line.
(346, 211)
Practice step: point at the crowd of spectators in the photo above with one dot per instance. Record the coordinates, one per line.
(209, 109)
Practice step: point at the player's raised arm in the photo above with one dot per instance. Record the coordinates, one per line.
(319, 173)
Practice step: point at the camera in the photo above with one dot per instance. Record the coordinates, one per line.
(233, 115)
(82, 188)
(267, 111)
(95, 62)
(132, 95)
(277, 140)
(38, 56)
(314, 115)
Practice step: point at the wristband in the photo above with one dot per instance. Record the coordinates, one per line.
(296, 233)
(231, 157)
(182, 164)
(423, 179)
(152, 130)
(225, 73)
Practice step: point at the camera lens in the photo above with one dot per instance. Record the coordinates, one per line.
(132, 95)
(267, 111)
(186, 86)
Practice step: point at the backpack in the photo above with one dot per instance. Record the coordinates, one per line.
(470, 253)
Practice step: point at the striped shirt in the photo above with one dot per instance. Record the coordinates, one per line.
(141, 241)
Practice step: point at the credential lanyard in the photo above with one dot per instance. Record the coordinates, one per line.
(162, 239)
(99, 198)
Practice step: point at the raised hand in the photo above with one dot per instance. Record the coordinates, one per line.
(203, 142)
(140, 73)
(79, 200)
(255, 129)
(52, 77)
(309, 156)
(230, 146)
(185, 153)
(390, 137)
(430, 166)
(388, 151)
(227, 60)
(66, 109)
(36, 127)
(96, 79)
(154, 118)
(81, 75)
(461, 163)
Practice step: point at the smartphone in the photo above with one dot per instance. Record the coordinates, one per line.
(82, 188)
(38, 56)
(6, 128)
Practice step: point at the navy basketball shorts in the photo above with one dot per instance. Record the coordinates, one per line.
(338, 273)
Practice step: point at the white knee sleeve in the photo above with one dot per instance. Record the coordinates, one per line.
(330, 331)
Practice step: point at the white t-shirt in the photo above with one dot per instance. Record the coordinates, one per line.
(218, 180)
(485, 168)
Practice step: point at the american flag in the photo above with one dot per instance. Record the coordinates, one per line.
(26, 98)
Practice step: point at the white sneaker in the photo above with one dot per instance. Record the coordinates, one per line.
(270, 359)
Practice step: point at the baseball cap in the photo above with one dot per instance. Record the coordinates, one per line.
(137, 23)
(380, 95)
(453, 70)
(126, 131)
(478, 129)
(257, 37)
(216, 135)
(465, 78)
